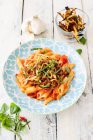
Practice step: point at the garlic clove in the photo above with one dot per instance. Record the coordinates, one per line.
(29, 27)
(26, 25)
(37, 26)
(33, 25)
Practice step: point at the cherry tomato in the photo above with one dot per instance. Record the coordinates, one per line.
(23, 118)
(64, 59)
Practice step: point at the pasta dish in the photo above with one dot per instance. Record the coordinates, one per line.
(45, 75)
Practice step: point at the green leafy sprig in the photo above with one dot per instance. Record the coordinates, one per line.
(11, 120)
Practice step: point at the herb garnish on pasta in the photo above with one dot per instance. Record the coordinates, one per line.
(45, 75)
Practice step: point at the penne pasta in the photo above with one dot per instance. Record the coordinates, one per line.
(34, 95)
(19, 63)
(61, 91)
(44, 94)
(49, 53)
(70, 65)
(44, 75)
(49, 99)
(31, 89)
(39, 94)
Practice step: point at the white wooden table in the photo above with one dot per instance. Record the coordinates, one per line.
(76, 123)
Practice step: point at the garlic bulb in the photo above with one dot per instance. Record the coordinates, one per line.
(25, 25)
(34, 25)
(37, 26)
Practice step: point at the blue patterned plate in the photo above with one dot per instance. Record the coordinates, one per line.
(34, 106)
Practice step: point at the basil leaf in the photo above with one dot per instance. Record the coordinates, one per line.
(14, 108)
(83, 40)
(8, 123)
(4, 108)
(79, 51)
(2, 116)
(36, 49)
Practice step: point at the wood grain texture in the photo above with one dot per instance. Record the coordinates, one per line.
(10, 23)
(74, 123)
(88, 8)
(43, 127)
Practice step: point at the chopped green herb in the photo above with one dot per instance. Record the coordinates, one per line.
(45, 86)
(50, 65)
(36, 49)
(67, 69)
(83, 40)
(46, 74)
(42, 70)
(58, 70)
(59, 79)
(79, 51)
(24, 74)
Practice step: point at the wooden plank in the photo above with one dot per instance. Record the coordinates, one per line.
(43, 127)
(10, 23)
(74, 123)
(88, 8)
